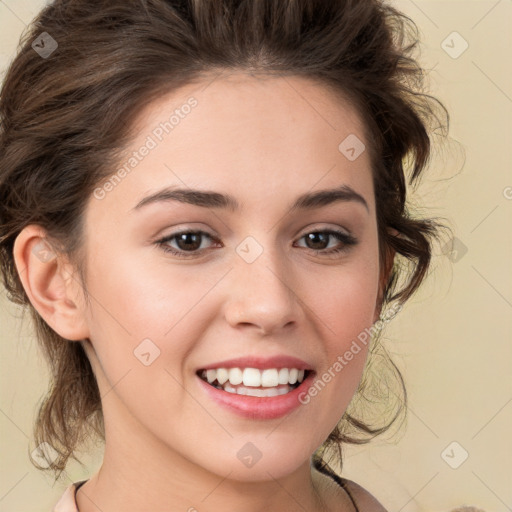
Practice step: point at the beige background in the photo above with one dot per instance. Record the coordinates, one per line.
(452, 341)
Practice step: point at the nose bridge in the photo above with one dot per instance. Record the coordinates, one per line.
(261, 292)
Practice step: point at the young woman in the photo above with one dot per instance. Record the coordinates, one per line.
(203, 205)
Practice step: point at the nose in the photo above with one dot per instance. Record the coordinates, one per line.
(262, 295)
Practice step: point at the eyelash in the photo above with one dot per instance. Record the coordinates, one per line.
(346, 239)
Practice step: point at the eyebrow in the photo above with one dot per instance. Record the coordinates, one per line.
(210, 199)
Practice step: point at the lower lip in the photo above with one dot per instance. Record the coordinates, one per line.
(255, 407)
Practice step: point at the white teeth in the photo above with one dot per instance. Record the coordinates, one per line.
(211, 375)
(229, 389)
(283, 376)
(258, 392)
(222, 375)
(269, 378)
(235, 376)
(253, 377)
(270, 392)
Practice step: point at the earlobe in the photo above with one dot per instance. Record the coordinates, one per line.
(48, 281)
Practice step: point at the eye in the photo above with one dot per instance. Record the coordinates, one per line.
(190, 242)
(187, 241)
(318, 240)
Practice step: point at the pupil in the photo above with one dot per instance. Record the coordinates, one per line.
(313, 236)
(183, 238)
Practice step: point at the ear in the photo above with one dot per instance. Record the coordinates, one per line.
(384, 276)
(50, 284)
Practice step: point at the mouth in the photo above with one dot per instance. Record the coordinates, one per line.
(254, 382)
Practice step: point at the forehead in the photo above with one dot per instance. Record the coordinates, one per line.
(251, 134)
(263, 103)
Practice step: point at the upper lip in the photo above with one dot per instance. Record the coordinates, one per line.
(262, 363)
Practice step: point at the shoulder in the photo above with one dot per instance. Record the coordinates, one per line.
(67, 502)
(364, 500)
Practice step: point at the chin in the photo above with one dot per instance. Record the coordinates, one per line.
(260, 461)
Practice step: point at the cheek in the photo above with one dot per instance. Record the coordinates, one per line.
(145, 299)
(133, 302)
(344, 307)
(345, 301)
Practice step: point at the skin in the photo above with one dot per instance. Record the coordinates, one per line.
(167, 442)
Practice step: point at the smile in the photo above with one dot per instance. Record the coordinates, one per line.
(254, 382)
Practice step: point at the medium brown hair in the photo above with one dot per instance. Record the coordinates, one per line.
(66, 117)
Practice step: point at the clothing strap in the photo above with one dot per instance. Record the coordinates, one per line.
(78, 485)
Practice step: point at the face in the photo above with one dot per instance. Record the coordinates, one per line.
(263, 285)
